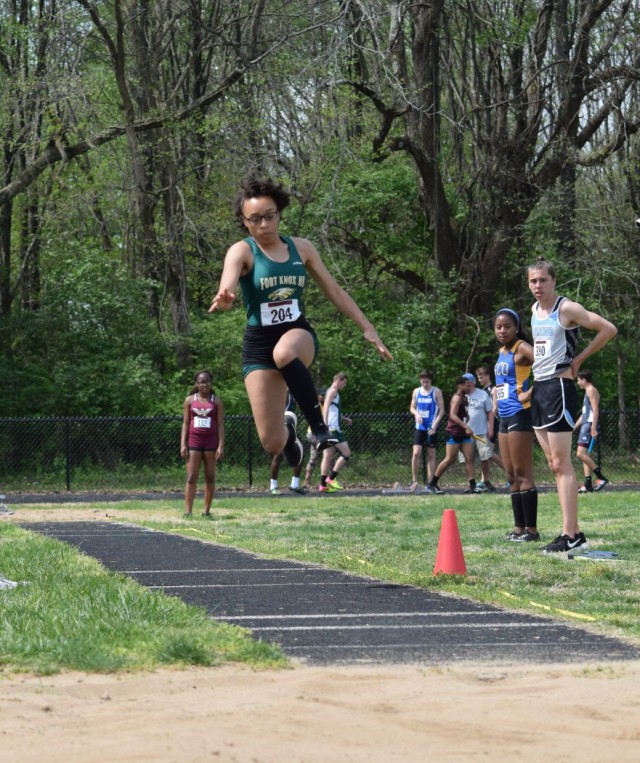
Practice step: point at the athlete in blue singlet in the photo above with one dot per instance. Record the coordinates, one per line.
(427, 408)
(512, 371)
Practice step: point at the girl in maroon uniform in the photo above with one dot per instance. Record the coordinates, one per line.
(202, 439)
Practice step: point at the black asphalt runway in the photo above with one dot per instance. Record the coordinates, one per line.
(325, 617)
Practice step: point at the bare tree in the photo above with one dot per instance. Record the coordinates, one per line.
(495, 102)
(170, 62)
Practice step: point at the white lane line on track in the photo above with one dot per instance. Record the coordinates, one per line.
(410, 626)
(231, 570)
(411, 645)
(343, 616)
(261, 585)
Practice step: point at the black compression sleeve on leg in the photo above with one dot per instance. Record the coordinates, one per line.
(518, 510)
(530, 507)
(301, 386)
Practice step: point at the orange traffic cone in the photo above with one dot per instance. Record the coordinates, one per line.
(450, 559)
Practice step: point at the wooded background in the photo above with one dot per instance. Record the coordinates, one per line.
(433, 150)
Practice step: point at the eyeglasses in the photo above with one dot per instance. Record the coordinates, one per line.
(257, 219)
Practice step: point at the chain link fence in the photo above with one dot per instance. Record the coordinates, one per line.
(105, 454)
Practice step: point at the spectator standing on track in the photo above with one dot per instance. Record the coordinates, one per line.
(513, 393)
(334, 417)
(202, 439)
(555, 325)
(295, 485)
(483, 374)
(427, 408)
(459, 437)
(588, 425)
(481, 418)
(279, 344)
(277, 460)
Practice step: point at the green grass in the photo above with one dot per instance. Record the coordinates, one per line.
(75, 614)
(396, 539)
(71, 613)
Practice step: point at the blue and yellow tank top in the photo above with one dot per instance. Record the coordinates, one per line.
(510, 381)
(272, 291)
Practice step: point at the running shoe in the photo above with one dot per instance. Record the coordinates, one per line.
(480, 488)
(323, 489)
(275, 491)
(293, 450)
(333, 486)
(585, 489)
(4, 509)
(600, 484)
(300, 489)
(526, 537)
(513, 535)
(566, 543)
(324, 438)
(433, 489)
(490, 487)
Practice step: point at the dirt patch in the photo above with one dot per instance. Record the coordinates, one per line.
(373, 714)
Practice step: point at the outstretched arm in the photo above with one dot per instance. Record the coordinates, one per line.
(338, 295)
(236, 262)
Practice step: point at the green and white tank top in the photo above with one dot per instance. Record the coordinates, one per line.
(335, 413)
(272, 291)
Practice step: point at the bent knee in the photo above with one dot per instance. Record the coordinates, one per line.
(273, 442)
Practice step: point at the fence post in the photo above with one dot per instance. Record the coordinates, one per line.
(249, 450)
(67, 452)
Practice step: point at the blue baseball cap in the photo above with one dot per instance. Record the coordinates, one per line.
(471, 377)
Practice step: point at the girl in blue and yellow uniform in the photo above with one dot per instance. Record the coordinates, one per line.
(279, 344)
(512, 393)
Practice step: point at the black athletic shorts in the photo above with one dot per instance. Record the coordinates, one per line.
(554, 404)
(519, 422)
(423, 438)
(258, 343)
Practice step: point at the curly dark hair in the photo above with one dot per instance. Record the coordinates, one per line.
(252, 187)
